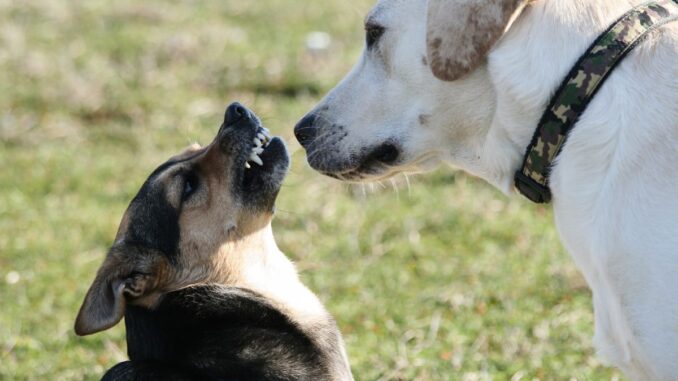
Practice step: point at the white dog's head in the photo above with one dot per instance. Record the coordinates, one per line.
(419, 95)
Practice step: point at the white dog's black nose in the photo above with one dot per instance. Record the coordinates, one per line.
(305, 131)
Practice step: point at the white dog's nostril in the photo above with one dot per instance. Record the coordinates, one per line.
(305, 131)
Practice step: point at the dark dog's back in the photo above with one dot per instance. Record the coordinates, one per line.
(219, 333)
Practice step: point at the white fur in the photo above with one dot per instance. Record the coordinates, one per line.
(615, 184)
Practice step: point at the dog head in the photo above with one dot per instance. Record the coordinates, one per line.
(193, 210)
(419, 94)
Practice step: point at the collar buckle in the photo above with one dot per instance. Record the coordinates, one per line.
(531, 189)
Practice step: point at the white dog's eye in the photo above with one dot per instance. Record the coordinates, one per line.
(373, 33)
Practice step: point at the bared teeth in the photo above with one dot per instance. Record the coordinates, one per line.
(260, 142)
(256, 159)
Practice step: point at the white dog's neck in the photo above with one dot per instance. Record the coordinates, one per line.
(524, 80)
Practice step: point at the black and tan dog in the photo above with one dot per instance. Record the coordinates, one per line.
(195, 270)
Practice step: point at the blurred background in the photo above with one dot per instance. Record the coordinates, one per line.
(435, 277)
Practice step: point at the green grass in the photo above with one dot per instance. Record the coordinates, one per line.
(445, 279)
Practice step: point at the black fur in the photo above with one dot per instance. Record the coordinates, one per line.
(154, 222)
(147, 371)
(218, 333)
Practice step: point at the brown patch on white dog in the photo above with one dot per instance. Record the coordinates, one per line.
(461, 33)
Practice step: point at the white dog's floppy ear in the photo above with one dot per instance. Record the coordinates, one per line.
(460, 33)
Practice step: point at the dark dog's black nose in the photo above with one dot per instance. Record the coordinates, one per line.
(234, 113)
(305, 131)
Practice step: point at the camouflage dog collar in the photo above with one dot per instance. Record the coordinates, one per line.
(579, 87)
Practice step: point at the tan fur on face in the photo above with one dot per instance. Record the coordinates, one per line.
(460, 33)
(214, 226)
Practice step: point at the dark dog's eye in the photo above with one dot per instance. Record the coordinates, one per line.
(372, 34)
(190, 186)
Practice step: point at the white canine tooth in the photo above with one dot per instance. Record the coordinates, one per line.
(256, 159)
(247, 165)
(258, 150)
(261, 136)
(257, 142)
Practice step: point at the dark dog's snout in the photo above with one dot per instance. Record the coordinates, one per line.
(234, 113)
(305, 130)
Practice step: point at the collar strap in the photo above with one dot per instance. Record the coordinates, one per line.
(579, 87)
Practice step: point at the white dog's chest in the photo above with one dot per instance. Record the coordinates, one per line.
(617, 213)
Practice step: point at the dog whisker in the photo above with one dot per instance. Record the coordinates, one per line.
(395, 188)
(409, 186)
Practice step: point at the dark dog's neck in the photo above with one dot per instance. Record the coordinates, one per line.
(225, 333)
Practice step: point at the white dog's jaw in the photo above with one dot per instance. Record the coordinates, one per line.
(614, 184)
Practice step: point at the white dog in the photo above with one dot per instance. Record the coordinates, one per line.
(614, 185)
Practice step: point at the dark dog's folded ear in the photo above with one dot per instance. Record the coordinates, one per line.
(460, 33)
(103, 307)
(117, 280)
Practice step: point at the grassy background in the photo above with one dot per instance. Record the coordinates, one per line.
(445, 279)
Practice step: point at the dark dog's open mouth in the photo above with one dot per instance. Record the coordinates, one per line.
(263, 160)
(260, 160)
